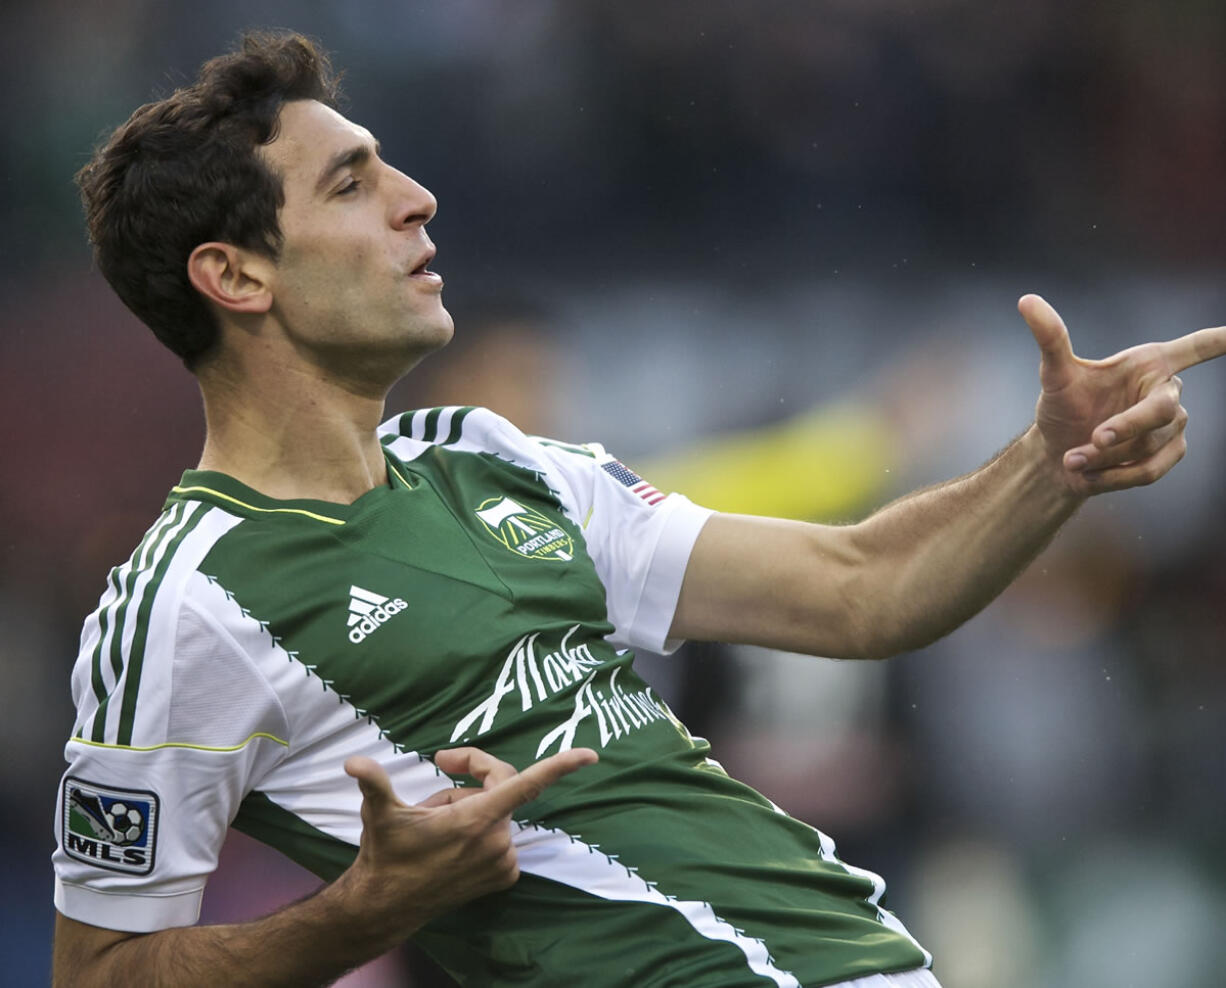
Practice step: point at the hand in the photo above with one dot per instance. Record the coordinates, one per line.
(1114, 423)
(416, 862)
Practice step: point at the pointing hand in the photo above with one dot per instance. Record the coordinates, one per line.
(418, 861)
(1114, 423)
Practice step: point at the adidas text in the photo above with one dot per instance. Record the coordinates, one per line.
(375, 617)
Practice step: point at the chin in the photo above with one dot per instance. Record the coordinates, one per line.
(438, 334)
(426, 338)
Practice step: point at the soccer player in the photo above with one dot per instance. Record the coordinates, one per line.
(444, 609)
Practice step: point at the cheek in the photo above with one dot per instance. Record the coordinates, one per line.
(337, 274)
(331, 271)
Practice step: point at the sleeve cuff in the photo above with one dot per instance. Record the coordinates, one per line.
(658, 602)
(126, 912)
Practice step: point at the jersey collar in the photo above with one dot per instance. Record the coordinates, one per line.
(236, 497)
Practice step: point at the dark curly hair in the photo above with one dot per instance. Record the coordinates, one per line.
(184, 170)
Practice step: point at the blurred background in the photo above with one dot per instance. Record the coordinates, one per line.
(768, 253)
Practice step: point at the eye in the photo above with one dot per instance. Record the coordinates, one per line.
(350, 187)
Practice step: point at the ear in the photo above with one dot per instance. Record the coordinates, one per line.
(233, 278)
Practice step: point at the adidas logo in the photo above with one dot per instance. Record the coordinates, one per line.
(368, 610)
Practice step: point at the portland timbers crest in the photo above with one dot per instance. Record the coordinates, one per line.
(525, 531)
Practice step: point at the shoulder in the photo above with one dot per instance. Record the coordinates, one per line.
(461, 427)
(446, 425)
(159, 570)
(468, 429)
(150, 609)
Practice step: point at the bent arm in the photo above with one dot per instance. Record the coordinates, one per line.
(899, 580)
(312, 942)
(414, 863)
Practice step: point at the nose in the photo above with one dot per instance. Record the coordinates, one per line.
(413, 203)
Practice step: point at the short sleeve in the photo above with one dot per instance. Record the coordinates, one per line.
(139, 825)
(639, 538)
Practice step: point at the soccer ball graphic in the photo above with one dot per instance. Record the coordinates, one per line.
(127, 823)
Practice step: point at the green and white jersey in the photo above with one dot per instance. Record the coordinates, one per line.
(491, 594)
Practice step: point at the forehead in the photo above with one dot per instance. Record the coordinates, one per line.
(308, 135)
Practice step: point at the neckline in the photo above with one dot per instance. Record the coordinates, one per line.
(227, 492)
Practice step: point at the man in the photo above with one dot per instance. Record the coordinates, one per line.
(324, 591)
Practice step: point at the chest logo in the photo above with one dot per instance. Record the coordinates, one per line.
(525, 531)
(369, 611)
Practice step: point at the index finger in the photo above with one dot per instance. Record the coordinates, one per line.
(527, 785)
(1195, 348)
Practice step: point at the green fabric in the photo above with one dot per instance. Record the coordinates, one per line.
(261, 818)
(508, 652)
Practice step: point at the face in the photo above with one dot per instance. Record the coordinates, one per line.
(352, 289)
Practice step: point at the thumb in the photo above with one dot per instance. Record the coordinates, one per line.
(373, 780)
(1051, 335)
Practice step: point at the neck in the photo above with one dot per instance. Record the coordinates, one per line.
(292, 432)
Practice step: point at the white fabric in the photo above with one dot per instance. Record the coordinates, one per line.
(202, 772)
(225, 710)
(920, 978)
(565, 859)
(124, 599)
(640, 550)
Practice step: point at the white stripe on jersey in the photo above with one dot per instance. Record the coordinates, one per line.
(443, 429)
(569, 861)
(408, 444)
(144, 564)
(156, 669)
(407, 449)
(884, 916)
(112, 600)
(919, 978)
(417, 423)
(325, 728)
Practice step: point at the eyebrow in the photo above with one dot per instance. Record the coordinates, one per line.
(346, 158)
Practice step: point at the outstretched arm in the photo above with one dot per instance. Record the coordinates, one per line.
(921, 566)
(414, 863)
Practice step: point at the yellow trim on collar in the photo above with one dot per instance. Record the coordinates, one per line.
(253, 507)
(399, 476)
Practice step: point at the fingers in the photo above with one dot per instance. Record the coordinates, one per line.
(458, 843)
(1132, 451)
(1134, 434)
(505, 790)
(1050, 333)
(481, 765)
(1195, 348)
(445, 797)
(1137, 473)
(373, 780)
(536, 778)
(1135, 447)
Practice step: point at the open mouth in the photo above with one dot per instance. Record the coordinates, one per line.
(424, 266)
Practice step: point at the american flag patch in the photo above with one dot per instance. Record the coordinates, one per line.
(624, 475)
